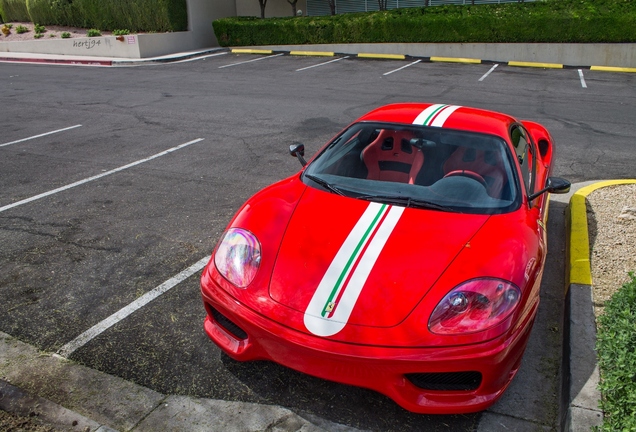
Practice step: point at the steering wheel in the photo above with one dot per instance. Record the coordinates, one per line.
(470, 174)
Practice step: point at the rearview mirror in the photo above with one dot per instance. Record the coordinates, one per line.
(297, 150)
(553, 185)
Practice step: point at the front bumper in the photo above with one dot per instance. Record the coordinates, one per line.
(437, 380)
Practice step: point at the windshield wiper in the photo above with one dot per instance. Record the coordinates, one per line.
(325, 184)
(406, 202)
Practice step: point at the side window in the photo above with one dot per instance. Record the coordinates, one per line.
(525, 156)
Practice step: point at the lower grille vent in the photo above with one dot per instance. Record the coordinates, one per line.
(228, 325)
(463, 381)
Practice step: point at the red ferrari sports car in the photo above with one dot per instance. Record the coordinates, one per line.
(405, 257)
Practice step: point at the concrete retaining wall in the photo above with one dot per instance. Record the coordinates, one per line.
(131, 46)
(200, 35)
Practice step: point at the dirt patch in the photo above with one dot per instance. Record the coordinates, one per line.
(612, 228)
(14, 423)
(52, 32)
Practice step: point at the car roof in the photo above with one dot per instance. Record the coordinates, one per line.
(462, 118)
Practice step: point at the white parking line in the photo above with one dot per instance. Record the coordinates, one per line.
(322, 64)
(250, 61)
(41, 135)
(582, 79)
(103, 325)
(199, 58)
(98, 176)
(489, 72)
(403, 67)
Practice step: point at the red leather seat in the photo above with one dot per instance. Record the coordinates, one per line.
(391, 157)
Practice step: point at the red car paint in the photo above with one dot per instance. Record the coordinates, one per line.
(403, 267)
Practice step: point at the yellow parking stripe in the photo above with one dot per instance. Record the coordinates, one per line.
(612, 69)
(536, 65)
(250, 51)
(383, 56)
(313, 53)
(455, 60)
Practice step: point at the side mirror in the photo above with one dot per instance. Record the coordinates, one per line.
(553, 185)
(297, 150)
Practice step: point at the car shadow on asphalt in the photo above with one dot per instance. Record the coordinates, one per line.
(347, 405)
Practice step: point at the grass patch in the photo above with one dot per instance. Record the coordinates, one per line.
(616, 348)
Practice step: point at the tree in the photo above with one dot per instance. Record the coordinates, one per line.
(262, 4)
(293, 5)
(332, 6)
(382, 4)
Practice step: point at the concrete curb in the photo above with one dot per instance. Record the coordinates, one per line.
(66, 399)
(432, 59)
(580, 375)
(20, 402)
(291, 50)
(103, 61)
(549, 56)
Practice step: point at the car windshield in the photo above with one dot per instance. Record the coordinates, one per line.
(418, 166)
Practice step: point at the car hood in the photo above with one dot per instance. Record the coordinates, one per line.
(351, 261)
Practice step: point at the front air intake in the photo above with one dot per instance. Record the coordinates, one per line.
(227, 324)
(446, 381)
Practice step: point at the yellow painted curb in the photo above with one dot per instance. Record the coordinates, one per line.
(537, 65)
(383, 56)
(455, 60)
(313, 53)
(612, 69)
(580, 270)
(250, 51)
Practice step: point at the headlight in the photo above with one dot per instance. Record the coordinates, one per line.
(474, 306)
(238, 257)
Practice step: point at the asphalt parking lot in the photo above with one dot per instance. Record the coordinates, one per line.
(116, 181)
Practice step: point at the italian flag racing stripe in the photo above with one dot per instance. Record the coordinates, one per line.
(336, 295)
(435, 115)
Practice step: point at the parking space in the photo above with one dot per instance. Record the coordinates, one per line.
(148, 164)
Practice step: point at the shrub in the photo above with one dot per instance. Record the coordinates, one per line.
(542, 21)
(21, 29)
(53, 12)
(14, 10)
(120, 32)
(38, 35)
(39, 28)
(616, 347)
(93, 33)
(66, 35)
(136, 15)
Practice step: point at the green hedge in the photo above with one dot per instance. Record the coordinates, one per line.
(616, 347)
(134, 15)
(547, 21)
(155, 15)
(52, 12)
(14, 10)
